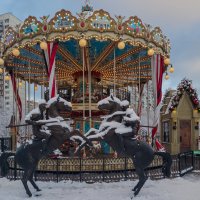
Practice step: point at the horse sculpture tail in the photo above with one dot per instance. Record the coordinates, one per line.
(4, 165)
(167, 162)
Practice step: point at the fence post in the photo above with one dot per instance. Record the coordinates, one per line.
(193, 159)
(57, 170)
(2, 144)
(103, 169)
(179, 164)
(80, 170)
(15, 170)
(125, 168)
(10, 143)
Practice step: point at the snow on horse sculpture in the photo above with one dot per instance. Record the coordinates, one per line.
(118, 129)
(28, 155)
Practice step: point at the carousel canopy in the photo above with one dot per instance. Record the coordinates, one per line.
(110, 42)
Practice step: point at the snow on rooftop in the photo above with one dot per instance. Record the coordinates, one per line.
(169, 105)
(183, 188)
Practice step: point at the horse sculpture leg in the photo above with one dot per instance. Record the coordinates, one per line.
(25, 178)
(33, 182)
(142, 178)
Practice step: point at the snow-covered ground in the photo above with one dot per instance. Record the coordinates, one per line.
(185, 188)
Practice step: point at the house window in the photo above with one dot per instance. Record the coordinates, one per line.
(6, 26)
(166, 131)
(6, 20)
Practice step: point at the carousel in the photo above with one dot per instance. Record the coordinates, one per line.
(84, 58)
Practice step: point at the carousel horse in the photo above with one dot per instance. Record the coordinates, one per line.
(140, 152)
(28, 155)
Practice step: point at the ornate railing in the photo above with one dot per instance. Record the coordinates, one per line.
(102, 169)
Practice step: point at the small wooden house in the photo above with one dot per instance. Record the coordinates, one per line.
(180, 116)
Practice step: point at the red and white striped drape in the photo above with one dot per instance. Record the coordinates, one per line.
(50, 56)
(16, 94)
(157, 64)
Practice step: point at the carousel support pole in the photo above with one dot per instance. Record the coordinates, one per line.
(13, 131)
(34, 95)
(83, 90)
(41, 95)
(13, 134)
(148, 108)
(127, 89)
(89, 85)
(139, 88)
(16, 119)
(101, 88)
(90, 96)
(29, 91)
(42, 86)
(17, 111)
(25, 109)
(114, 92)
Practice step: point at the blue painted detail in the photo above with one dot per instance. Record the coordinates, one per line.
(87, 126)
(105, 147)
(78, 125)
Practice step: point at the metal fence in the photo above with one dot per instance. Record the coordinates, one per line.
(5, 144)
(103, 169)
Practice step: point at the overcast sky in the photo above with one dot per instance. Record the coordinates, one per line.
(179, 20)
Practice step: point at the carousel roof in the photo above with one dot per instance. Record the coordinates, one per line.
(102, 33)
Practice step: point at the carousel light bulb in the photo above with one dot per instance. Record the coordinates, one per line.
(1, 61)
(43, 45)
(121, 45)
(82, 42)
(171, 69)
(35, 87)
(7, 77)
(166, 76)
(1, 70)
(16, 52)
(166, 61)
(20, 83)
(150, 52)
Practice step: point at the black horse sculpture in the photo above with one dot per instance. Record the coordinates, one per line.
(139, 151)
(28, 155)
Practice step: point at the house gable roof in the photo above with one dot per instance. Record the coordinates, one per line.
(185, 87)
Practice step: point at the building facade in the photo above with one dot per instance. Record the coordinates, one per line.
(179, 118)
(8, 104)
(6, 20)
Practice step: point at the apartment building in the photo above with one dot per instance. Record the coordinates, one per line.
(8, 105)
(6, 20)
